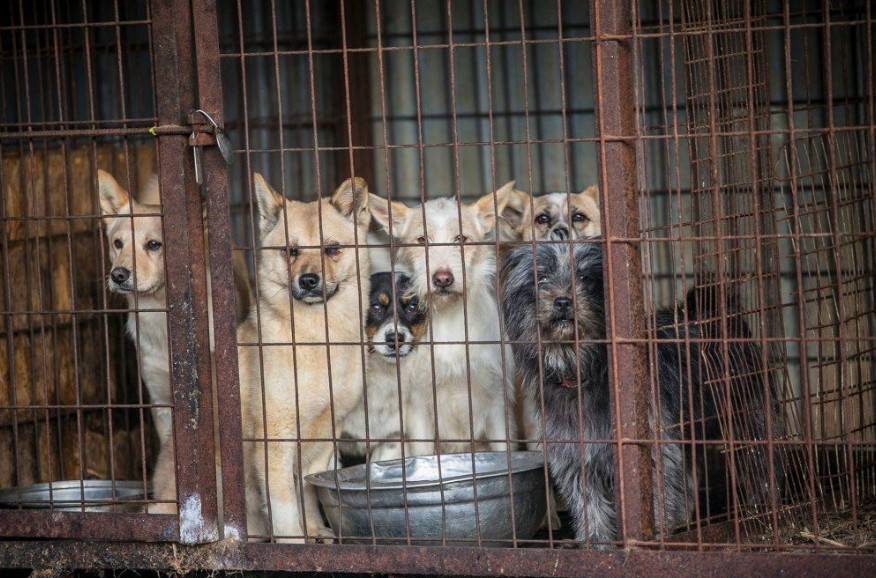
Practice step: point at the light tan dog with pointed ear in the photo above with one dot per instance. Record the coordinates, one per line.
(554, 216)
(313, 283)
(136, 247)
(456, 274)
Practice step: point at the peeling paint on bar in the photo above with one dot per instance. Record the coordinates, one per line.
(192, 529)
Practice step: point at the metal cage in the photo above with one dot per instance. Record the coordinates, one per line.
(733, 148)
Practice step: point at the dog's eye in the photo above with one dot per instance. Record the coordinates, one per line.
(412, 306)
(376, 308)
(153, 245)
(460, 239)
(543, 219)
(118, 244)
(421, 240)
(292, 251)
(579, 217)
(542, 278)
(332, 251)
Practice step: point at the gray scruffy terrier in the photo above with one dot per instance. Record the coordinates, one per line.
(538, 299)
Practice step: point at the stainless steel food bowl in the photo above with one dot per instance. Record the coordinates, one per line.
(375, 496)
(95, 495)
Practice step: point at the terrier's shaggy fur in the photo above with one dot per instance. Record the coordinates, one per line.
(550, 295)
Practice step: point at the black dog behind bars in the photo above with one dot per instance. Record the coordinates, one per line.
(538, 303)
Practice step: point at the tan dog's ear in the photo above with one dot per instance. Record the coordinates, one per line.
(487, 206)
(351, 198)
(380, 210)
(516, 209)
(113, 198)
(592, 193)
(269, 202)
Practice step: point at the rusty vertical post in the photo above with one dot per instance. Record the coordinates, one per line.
(615, 117)
(222, 284)
(188, 327)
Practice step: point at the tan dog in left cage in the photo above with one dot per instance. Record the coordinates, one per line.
(135, 237)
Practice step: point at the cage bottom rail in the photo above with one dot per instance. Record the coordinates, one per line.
(408, 560)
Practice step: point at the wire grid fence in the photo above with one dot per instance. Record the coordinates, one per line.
(79, 77)
(755, 187)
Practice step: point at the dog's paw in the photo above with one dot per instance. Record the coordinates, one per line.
(320, 535)
(161, 509)
(289, 540)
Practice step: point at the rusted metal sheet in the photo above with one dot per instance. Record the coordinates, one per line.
(615, 114)
(186, 278)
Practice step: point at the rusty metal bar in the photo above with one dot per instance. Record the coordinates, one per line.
(186, 278)
(222, 285)
(615, 116)
(114, 526)
(412, 560)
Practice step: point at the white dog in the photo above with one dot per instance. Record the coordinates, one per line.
(454, 271)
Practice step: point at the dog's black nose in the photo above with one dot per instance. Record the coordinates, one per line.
(395, 340)
(562, 303)
(560, 232)
(308, 281)
(442, 278)
(120, 274)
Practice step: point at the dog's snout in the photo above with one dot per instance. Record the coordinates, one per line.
(395, 340)
(560, 232)
(442, 278)
(120, 274)
(562, 303)
(308, 281)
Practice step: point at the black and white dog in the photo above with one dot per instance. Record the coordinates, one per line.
(548, 296)
(394, 325)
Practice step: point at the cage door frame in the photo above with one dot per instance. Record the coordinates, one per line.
(188, 323)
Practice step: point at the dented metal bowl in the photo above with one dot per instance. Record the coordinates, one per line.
(371, 500)
(72, 495)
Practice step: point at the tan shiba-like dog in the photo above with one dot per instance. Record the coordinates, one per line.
(136, 248)
(311, 292)
(456, 276)
(554, 216)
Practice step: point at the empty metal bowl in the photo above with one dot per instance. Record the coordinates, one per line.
(371, 499)
(71, 495)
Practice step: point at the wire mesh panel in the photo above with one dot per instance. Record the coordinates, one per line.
(87, 347)
(432, 100)
(741, 89)
(828, 192)
(73, 406)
